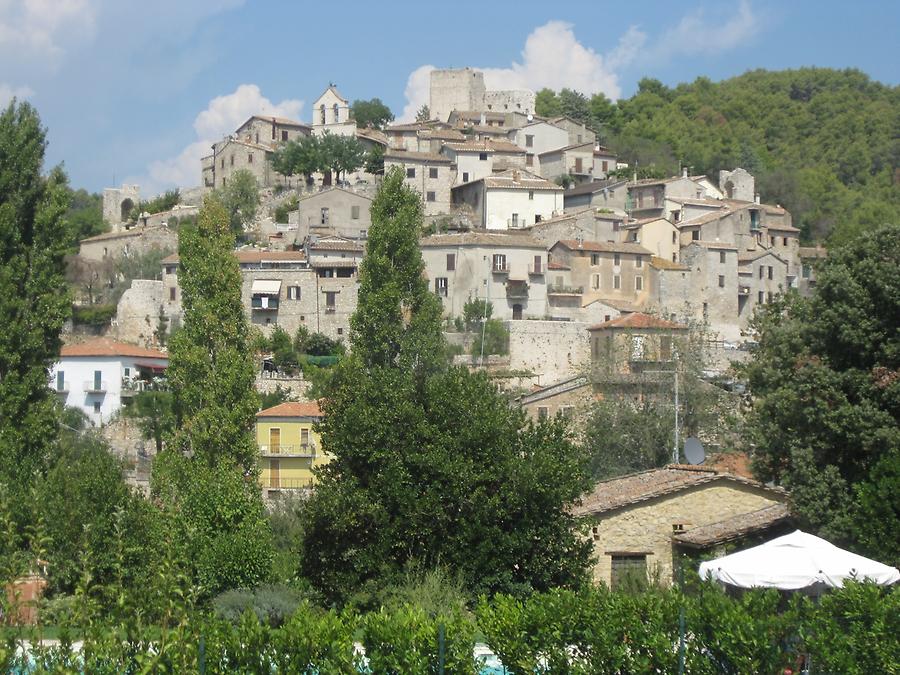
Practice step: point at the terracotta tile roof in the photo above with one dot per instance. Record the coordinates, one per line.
(373, 135)
(412, 126)
(717, 203)
(781, 228)
(278, 120)
(663, 264)
(735, 527)
(336, 244)
(107, 347)
(252, 256)
(553, 265)
(292, 409)
(501, 239)
(133, 232)
(715, 245)
(638, 320)
(443, 135)
(593, 186)
(515, 179)
(413, 156)
(574, 146)
(486, 145)
(756, 255)
(603, 150)
(602, 246)
(639, 487)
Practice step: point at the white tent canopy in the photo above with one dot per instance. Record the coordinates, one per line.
(796, 561)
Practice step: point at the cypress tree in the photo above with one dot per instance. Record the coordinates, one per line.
(34, 301)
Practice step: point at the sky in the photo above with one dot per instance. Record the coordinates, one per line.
(136, 91)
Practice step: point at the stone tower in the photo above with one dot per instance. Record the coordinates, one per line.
(457, 89)
(117, 203)
(738, 184)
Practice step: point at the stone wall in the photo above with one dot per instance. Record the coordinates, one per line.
(551, 349)
(117, 200)
(268, 383)
(510, 100)
(138, 311)
(134, 241)
(647, 527)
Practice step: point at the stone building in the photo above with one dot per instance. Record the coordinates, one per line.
(641, 522)
(510, 200)
(479, 159)
(118, 202)
(430, 174)
(564, 397)
(762, 275)
(607, 194)
(464, 89)
(122, 243)
(331, 114)
(715, 295)
(572, 160)
(333, 211)
(810, 258)
(508, 270)
(538, 137)
(578, 131)
(605, 161)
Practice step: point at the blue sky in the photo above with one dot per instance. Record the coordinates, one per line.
(135, 90)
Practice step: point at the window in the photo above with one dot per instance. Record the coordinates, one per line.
(354, 212)
(722, 257)
(617, 282)
(363, 234)
(617, 259)
(538, 265)
(499, 262)
(304, 435)
(330, 300)
(705, 311)
(695, 235)
(127, 371)
(761, 298)
(605, 165)
(340, 331)
(335, 112)
(567, 411)
(529, 140)
(529, 159)
(537, 218)
(676, 216)
(293, 292)
(784, 242)
(172, 292)
(257, 137)
(639, 283)
(440, 286)
(771, 241)
(771, 272)
(430, 196)
(578, 167)
(231, 160)
(170, 269)
(543, 412)
(638, 262)
(762, 271)
(465, 178)
(324, 216)
(60, 381)
(250, 158)
(674, 238)
(637, 347)
(595, 259)
(98, 380)
(531, 194)
(96, 407)
(284, 135)
(223, 162)
(665, 348)
(805, 271)
(721, 281)
(322, 113)
(515, 220)
(769, 297)
(411, 172)
(595, 282)
(482, 156)
(432, 172)
(451, 262)
(578, 138)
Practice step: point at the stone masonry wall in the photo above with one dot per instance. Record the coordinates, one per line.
(137, 315)
(551, 349)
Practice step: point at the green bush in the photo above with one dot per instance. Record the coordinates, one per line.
(272, 605)
(495, 338)
(283, 209)
(93, 315)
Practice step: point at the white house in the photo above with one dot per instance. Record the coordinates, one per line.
(510, 200)
(99, 375)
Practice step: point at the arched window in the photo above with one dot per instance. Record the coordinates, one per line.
(322, 110)
(336, 114)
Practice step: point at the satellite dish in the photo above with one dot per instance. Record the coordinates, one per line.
(693, 451)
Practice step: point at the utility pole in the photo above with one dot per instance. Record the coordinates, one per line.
(676, 454)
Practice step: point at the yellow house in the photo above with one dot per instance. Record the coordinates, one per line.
(289, 448)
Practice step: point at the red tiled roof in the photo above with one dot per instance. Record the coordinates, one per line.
(292, 409)
(639, 487)
(252, 256)
(734, 527)
(603, 246)
(638, 320)
(107, 347)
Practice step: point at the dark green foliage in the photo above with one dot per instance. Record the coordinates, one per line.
(318, 344)
(272, 605)
(492, 338)
(623, 438)
(93, 315)
(240, 198)
(423, 114)
(284, 208)
(34, 302)
(372, 113)
(85, 505)
(273, 398)
(153, 411)
(475, 311)
(827, 396)
(409, 485)
(85, 216)
(318, 154)
(164, 202)
(375, 161)
(283, 349)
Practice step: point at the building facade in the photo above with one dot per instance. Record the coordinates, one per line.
(289, 447)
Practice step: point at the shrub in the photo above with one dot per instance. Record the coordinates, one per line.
(272, 604)
(495, 338)
(93, 315)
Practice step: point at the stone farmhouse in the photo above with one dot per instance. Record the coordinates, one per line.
(640, 523)
(339, 211)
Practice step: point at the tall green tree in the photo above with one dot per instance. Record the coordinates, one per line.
(826, 392)
(423, 114)
(34, 300)
(409, 484)
(207, 473)
(240, 197)
(371, 113)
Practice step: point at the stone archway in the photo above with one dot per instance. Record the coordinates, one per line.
(729, 190)
(125, 208)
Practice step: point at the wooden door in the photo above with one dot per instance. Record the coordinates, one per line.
(275, 440)
(274, 473)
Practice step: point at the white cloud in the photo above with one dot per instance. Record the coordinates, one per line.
(41, 30)
(222, 116)
(417, 87)
(695, 34)
(8, 92)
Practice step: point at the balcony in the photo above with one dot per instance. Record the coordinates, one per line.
(330, 310)
(286, 483)
(500, 268)
(264, 303)
(515, 290)
(537, 270)
(565, 290)
(62, 389)
(743, 289)
(95, 387)
(308, 450)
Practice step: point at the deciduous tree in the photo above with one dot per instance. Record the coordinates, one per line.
(371, 113)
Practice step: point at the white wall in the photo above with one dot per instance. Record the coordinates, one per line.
(501, 204)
